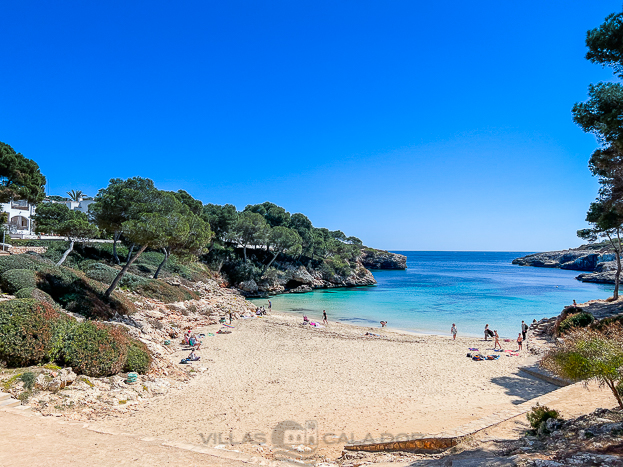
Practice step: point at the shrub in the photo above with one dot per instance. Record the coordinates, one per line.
(16, 262)
(586, 354)
(79, 294)
(578, 320)
(138, 359)
(32, 292)
(17, 279)
(159, 290)
(95, 349)
(26, 331)
(539, 414)
(106, 274)
(28, 379)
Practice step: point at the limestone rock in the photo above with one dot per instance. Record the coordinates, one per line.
(379, 259)
(249, 286)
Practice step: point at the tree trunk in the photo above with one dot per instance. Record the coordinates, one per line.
(166, 257)
(115, 239)
(617, 276)
(69, 250)
(244, 251)
(125, 268)
(613, 388)
(130, 253)
(271, 262)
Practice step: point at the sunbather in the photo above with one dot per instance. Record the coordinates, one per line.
(192, 357)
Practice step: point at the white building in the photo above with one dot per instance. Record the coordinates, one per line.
(20, 214)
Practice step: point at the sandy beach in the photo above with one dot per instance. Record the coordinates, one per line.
(273, 369)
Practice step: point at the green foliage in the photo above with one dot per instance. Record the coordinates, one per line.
(221, 219)
(586, 354)
(159, 290)
(239, 271)
(578, 320)
(106, 274)
(114, 204)
(604, 43)
(16, 262)
(274, 215)
(194, 205)
(21, 178)
(26, 331)
(138, 359)
(250, 229)
(96, 349)
(32, 292)
(79, 294)
(539, 414)
(17, 279)
(28, 378)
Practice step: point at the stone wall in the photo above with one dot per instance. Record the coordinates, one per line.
(20, 250)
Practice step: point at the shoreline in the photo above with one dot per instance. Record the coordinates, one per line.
(389, 328)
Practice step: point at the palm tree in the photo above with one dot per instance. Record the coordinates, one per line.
(75, 195)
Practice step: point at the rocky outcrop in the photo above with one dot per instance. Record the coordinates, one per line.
(379, 259)
(299, 279)
(599, 263)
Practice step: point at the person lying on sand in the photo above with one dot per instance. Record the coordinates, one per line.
(371, 334)
(192, 357)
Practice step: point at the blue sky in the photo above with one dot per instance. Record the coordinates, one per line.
(412, 125)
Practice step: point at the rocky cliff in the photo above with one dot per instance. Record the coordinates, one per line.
(379, 259)
(299, 279)
(597, 262)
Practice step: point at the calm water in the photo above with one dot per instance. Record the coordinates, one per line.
(470, 289)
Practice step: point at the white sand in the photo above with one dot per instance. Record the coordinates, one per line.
(273, 369)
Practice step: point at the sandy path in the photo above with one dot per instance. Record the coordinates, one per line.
(43, 441)
(272, 370)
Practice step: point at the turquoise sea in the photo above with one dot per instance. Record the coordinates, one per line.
(439, 288)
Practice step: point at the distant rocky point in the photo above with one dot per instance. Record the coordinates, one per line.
(598, 262)
(380, 259)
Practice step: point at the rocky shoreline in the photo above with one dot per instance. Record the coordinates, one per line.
(597, 262)
(291, 278)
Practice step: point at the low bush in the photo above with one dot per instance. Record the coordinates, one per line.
(578, 320)
(79, 294)
(16, 279)
(32, 292)
(539, 414)
(28, 379)
(26, 331)
(138, 359)
(95, 349)
(106, 274)
(159, 290)
(16, 262)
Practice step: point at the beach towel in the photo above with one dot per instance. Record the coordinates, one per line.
(473, 350)
(498, 350)
(506, 340)
(228, 326)
(220, 331)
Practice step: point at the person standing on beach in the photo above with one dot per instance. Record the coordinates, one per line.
(270, 306)
(486, 331)
(497, 340)
(524, 330)
(519, 341)
(325, 321)
(453, 331)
